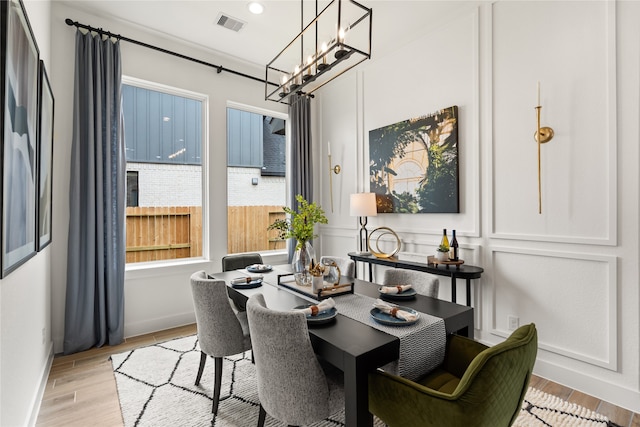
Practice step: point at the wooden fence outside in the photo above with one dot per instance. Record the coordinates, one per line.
(161, 233)
(247, 228)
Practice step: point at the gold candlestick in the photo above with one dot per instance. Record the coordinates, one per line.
(542, 136)
(335, 169)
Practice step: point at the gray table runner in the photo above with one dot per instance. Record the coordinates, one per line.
(422, 344)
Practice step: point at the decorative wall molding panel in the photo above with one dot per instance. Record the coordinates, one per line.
(527, 283)
(579, 166)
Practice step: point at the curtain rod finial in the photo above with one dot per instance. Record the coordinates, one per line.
(69, 22)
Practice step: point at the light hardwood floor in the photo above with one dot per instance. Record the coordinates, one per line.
(81, 389)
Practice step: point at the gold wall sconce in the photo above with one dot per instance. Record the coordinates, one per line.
(542, 136)
(335, 169)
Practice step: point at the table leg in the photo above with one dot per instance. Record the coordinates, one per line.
(453, 289)
(356, 395)
(468, 292)
(370, 272)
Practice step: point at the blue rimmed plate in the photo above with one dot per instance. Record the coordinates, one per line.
(322, 317)
(248, 285)
(259, 268)
(387, 319)
(408, 294)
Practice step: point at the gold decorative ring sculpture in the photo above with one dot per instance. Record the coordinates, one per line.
(383, 232)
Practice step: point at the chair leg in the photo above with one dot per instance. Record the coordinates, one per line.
(203, 360)
(217, 384)
(261, 416)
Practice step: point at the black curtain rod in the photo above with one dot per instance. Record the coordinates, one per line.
(219, 68)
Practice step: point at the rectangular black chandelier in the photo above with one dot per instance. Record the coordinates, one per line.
(338, 39)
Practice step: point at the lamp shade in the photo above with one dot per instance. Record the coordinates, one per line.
(363, 204)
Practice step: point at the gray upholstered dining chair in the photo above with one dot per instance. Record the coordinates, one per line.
(238, 261)
(423, 283)
(347, 266)
(293, 387)
(221, 331)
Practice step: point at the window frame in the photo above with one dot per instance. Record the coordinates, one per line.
(204, 153)
(288, 169)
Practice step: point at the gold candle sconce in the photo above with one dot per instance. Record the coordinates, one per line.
(542, 136)
(332, 168)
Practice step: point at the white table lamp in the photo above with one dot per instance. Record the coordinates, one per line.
(363, 205)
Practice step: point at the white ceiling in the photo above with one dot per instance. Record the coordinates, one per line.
(265, 35)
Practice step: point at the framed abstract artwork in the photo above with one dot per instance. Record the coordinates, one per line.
(413, 164)
(45, 158)
(19, 71)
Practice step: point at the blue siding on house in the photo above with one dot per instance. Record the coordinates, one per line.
(161, 128)
(274, 148)
(256, 141)
(244, 139)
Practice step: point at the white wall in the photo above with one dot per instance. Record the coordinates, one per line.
(25, 312)
(572, 269)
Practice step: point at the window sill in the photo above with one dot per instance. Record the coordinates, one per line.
(161, 268)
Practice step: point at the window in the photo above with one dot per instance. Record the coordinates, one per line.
(164, 139)
(256, 178)
(132, 189)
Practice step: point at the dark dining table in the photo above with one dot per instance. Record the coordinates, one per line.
(351, 346)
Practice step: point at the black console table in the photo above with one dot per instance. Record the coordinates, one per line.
(463, 271)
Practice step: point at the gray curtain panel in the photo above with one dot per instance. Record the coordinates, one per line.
(94, 313)
(301, 159)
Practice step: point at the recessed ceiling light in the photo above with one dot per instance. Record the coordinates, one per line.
(255, 7)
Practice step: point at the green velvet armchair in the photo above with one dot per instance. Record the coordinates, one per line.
(475, 386)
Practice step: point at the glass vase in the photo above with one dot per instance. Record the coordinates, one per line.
(301, 263)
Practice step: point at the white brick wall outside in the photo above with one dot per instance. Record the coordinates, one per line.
(270, 191)
(168, 185)
(181, 185)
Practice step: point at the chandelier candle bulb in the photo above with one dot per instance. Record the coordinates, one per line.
(285, 90)
(296, 78)
(538, 93)
(341, 51)
(307, 74)
(323, 65)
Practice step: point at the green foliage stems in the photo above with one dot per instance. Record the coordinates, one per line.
(300, 223)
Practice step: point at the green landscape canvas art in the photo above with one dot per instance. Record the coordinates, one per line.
(413, 164)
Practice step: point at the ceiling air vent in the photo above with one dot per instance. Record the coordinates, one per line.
(229, 22)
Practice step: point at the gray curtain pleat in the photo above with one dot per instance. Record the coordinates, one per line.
(94, 313)
(301, 159)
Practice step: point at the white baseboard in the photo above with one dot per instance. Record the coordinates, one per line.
(604, 390)
(146, 327)
(44, 377)
(158, 324)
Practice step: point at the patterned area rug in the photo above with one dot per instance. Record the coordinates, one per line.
(155, 388)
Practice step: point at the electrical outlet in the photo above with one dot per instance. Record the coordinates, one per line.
(514, 322)
(43, 335)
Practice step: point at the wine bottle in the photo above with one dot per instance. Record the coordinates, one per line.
(444, 243)
(453, 255)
